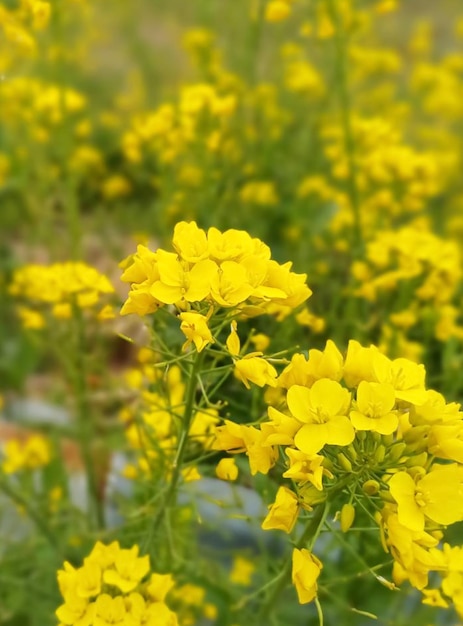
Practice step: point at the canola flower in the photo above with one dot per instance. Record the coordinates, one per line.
(228, 270)
(31, 454)
(112, 587)
(362, 431)
(56, 288)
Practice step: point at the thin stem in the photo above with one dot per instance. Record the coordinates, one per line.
(85, 420)
(341, 82)
(319, 611)
(310, 533)
(32, 513)
(182, 444)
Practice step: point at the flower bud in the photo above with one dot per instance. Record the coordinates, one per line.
(344, 462)
(370, 487)
(347, 517)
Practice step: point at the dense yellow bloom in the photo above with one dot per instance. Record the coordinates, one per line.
(305, 572)
(227, 269)
(30, 454)
(59, 286)
(127, 600)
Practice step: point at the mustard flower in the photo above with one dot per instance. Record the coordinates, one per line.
(253, 368)
(128, 570)
(226, 469)
(277, 10)
(305, 572)
(323, 410)
(283, 512)
(242, 571)
(437, 496)
(374, 408)
(194, 327)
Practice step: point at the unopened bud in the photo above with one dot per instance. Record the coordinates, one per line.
(380, 453)
(344, 462)
(418, 459)
(397, 451)
(347, 517)
(370, 487)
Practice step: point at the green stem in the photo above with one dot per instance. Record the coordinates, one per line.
(182, 443)
(39, 522)
(85, 421)
(342, 85)
(310, 533)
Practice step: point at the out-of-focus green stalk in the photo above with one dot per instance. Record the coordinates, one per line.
(38, 520)
(85, 420)
(171, 492)
(341, 84)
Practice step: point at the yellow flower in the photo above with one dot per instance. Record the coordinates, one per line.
(323, 410)
(283, 512)
(374, 408)
(277, 11)
(437, 496)
(159, 586)
(256, 370)
(88, 580)
(26, 455)
(242, 571)
(280, 430)
(230, 286)
(176, 283)
(305, 468)
(194, 327)
(190, 242)
(226, 469)
(128, 570)
(326, 364)
(260, 341)
(109, 611)
(305, 572)
(76, 611)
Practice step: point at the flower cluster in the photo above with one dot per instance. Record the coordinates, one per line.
(111, 587)
(416, 275)
(57, 288)
(355, 430)
(228, 270)
(29, 454)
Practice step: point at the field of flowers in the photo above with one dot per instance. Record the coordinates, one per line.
(231, 338)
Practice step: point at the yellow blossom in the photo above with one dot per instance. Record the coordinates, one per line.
(323, 412)
(283, 512)
(374, 408)
(277, 11)
(305, 572)
(226, 469)
(194, 327)
(437, 496)
(253, 368)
